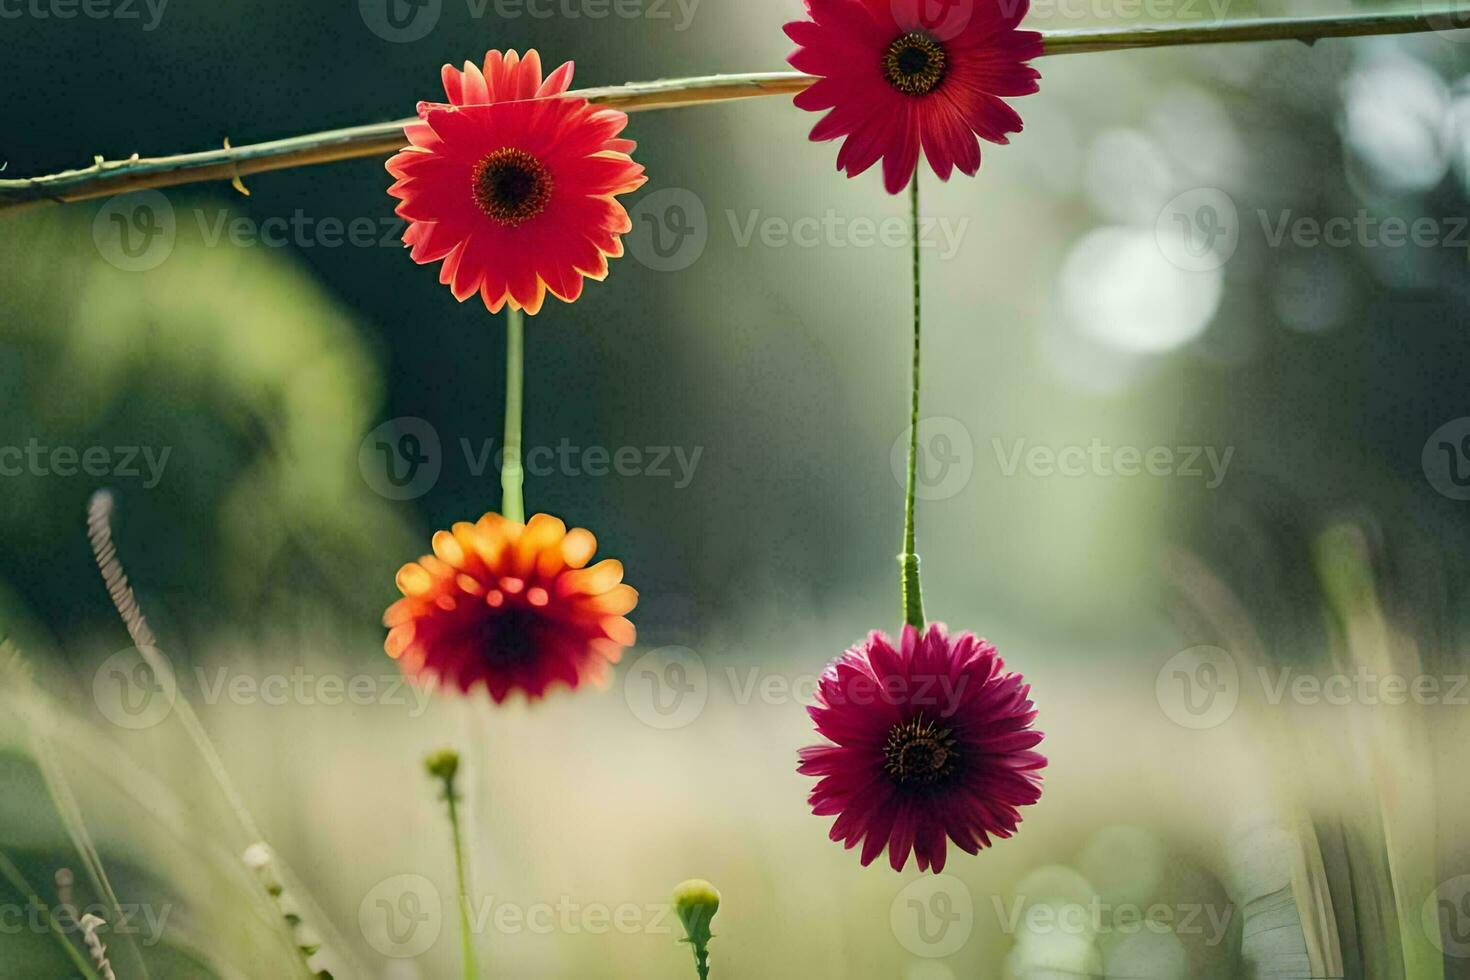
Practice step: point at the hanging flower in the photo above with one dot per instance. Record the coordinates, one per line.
(896, 80)
(512, 184)
(933, 740)
(511, 605)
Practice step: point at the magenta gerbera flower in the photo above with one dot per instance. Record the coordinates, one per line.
(933, 740)
(896, 79)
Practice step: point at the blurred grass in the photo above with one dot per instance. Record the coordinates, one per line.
(580, 803)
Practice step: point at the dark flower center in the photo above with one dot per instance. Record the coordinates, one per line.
(511, 636)
(512, 186)
(914, 64)
(919, 753)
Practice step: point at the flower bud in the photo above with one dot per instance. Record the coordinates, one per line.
(696, 901)
(443, 764)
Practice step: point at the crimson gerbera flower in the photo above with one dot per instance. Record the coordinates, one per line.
(895, 79)
(513, 184)
(933, 740)
(512, 605)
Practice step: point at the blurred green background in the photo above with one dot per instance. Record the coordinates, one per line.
(1060, 312)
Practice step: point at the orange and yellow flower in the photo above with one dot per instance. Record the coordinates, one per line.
(513, 606)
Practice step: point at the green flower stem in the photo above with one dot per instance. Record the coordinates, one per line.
(512, 475)
(701, 961)
(913, 595)
(466, 939)
(462, 879)
(443, 766)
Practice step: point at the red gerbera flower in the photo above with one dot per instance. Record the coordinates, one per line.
(513, 184)
(895, 80)
(933, 740)
(512, 605)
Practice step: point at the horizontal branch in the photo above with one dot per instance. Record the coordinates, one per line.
(108, 177)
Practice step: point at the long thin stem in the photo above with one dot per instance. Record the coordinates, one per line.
(512, 474)
(466, 938)
(107, 177)
(913, 595)
(99, 532)
(104, 551)
(443, 766)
